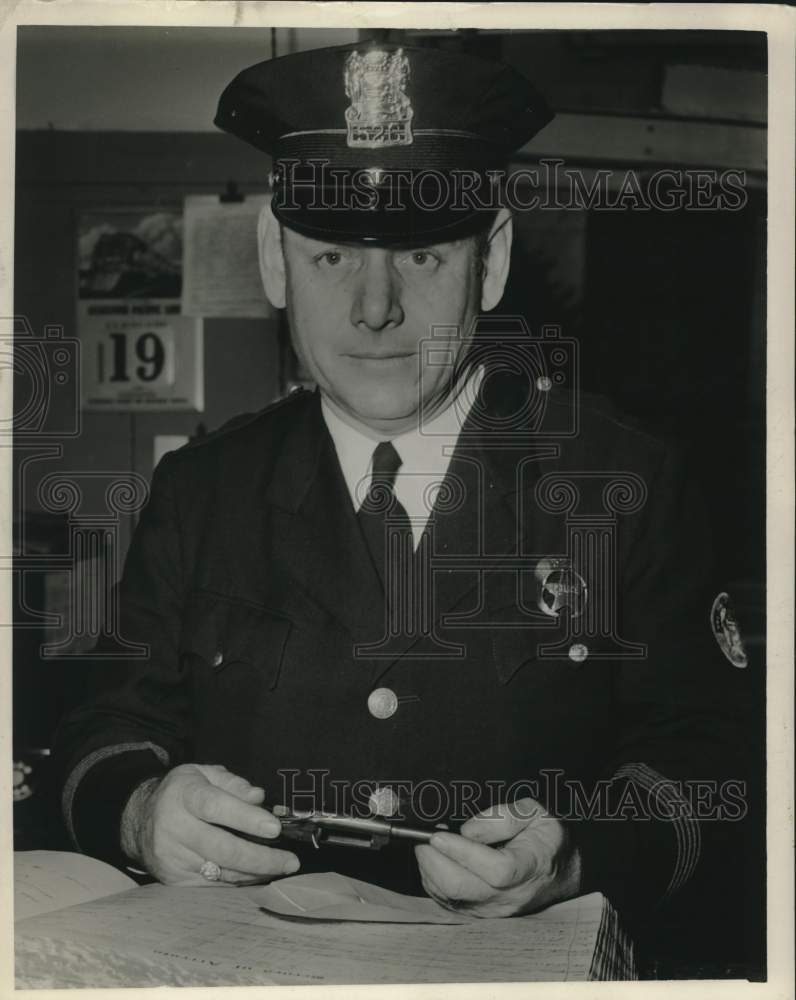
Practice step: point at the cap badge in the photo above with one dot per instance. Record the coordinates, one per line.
(725, 629)
(380, 113)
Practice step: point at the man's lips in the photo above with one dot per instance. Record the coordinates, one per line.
(392, 356)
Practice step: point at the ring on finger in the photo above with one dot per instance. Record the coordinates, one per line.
(210, 871)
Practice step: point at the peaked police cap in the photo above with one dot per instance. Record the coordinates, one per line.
(383, 143)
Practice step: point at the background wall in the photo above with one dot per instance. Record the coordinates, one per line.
(141, 79)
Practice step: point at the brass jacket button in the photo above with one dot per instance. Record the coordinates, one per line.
(382, 703)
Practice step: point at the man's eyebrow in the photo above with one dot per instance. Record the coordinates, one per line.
(409, 247)
(316, 246)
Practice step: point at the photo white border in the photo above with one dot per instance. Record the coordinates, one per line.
(778, 22)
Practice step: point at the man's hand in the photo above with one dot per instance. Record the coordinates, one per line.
(168, 827)
(536, 864)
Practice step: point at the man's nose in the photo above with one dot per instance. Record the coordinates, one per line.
(377, 299)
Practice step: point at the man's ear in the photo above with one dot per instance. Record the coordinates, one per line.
(497, 259)
(272, 258)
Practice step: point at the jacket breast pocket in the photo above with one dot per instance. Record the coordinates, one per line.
(554, 675)
(233, 653)
(515, 650)
(535, 653)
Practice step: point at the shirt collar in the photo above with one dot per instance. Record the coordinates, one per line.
(428, 450)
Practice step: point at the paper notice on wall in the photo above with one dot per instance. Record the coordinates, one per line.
(140, 355)
(221, 273)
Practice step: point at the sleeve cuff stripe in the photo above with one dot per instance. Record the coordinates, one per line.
(80, 770)
(686, 828)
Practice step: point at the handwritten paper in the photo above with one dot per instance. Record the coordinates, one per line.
(221, 271)
(50, 880)
(220, 934)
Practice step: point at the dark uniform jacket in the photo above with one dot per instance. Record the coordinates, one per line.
(250, 584)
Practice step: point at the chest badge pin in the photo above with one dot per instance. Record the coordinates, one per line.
(559, 587)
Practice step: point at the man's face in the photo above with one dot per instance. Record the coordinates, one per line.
(359, 314)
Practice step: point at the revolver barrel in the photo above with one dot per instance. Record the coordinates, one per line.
(319, 828)
(329, 828)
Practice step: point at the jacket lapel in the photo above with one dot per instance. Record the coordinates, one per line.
(475, 544)
(315, 536)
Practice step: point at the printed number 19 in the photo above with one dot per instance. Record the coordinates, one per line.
(148, 350)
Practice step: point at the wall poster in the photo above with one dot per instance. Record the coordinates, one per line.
(138, 352)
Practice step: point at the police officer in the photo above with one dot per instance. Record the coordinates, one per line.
(554, 667)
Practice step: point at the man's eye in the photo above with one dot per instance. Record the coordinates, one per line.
(331, 257)
(423, 258)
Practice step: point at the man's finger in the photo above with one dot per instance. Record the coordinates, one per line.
(186, 870)
(229, 851)
(236, 785)
(434, 890)
(212, 804)
(229, 876)
(190, 865)
(455, 882)
(493, 907)
(501, 822)
(499, 868)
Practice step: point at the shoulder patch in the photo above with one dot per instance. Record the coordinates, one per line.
(726, 632)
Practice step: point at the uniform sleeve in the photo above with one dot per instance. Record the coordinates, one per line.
(675, 775)
(136, 725)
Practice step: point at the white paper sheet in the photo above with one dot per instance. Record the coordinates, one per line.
(50, 880)
(329, 896)
(221, 271)
(225, 931)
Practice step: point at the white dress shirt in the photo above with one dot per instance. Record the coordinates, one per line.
(425, 456)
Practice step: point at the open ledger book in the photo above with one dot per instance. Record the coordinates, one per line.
(81, 923)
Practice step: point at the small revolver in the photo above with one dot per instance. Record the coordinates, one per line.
(322, 828)
(373, 833)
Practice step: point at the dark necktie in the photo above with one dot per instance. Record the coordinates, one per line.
(384, 522)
